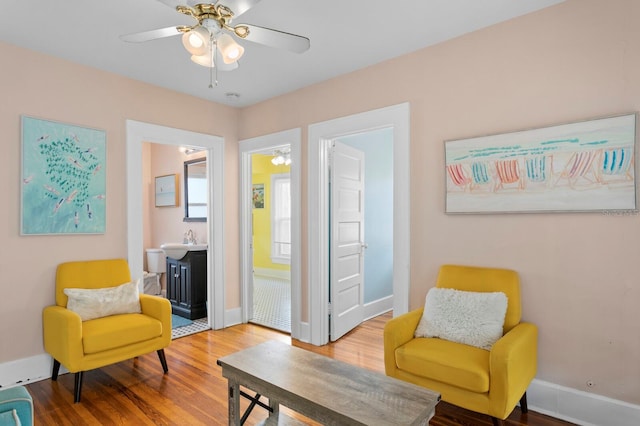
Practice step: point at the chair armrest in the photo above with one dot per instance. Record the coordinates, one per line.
(62, 333)
(155, 306)
(513, 362)
(397, 332)
(19, 399)
(159, 308)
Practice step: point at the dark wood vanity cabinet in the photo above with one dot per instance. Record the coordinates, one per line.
(187, 285)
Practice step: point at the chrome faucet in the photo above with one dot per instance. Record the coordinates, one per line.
(190, 237)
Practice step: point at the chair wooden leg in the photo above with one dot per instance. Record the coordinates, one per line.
(56, 370)
(163, 360)
(523, 404)
(498, 422)
(77, 387)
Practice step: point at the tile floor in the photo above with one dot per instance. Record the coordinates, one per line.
(272, 303)
(271, 308)
(196, 327)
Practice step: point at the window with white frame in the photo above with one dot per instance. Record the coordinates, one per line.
(281, 218)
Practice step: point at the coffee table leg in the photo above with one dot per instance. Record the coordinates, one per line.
(234, 403)
(275, 407)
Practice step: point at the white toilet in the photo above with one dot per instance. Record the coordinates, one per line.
(157, 265)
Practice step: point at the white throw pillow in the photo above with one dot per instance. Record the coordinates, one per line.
(472, 318)
(102, 302)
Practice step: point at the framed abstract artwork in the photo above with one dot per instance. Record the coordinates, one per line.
(167, 194)
(63, 184)
(575, 167)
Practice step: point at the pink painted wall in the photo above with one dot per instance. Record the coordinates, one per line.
(580, 272)
(51, 88)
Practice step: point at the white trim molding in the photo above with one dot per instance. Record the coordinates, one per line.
(320, 137)
(233, 316)
(27, 370)
(279, 274)
(259, 144)
(139, 132)
(378, 307)
(583, 408)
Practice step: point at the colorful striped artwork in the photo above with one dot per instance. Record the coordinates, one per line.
(63, 178)
(582, 166)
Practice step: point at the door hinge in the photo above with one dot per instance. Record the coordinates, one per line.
(329, 309)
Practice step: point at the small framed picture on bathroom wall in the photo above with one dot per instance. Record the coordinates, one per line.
(258, 195)
(167, 194)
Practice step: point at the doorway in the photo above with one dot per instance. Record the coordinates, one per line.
(266, 146)
(361, 226)
(271, 239)
(183, 218)
(321, 136)
(137, 134)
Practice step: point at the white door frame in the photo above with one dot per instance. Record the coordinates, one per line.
(139, 132)
(320, 137)
(246, 148)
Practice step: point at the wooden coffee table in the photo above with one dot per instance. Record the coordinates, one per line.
(324, 389)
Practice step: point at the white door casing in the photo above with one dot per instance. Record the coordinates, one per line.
(320, 137)
(247, 147)
(347, 239)
(138, 133)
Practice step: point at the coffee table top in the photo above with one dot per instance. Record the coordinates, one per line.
(315, 385)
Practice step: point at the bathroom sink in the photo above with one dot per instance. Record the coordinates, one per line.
(179, 250)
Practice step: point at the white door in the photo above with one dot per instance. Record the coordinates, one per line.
(346, 285)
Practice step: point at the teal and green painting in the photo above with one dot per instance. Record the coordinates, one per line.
(63, 178)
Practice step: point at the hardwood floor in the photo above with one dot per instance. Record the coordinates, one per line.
(135, 392)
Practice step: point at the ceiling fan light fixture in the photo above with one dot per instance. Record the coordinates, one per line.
(196, 41)
(281, 157)
(276, 161)
(204, 60)
(229, 49)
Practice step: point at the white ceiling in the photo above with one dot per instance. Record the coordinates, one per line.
(346, 35)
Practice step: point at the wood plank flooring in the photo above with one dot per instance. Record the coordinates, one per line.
(135, 392)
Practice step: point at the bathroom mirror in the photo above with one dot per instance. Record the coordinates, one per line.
(195, 190)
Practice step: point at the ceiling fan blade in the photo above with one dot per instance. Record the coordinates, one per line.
(238, 7)
(174, 3)
(274, 38)
(150, 35)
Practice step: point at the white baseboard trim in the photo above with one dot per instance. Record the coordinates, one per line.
(27, 370)
(305, 332)
(273, 273)
(583, 408)
(378, 307)
(232, 317)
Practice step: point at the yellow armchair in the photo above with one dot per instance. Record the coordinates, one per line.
(85, 345)
(486, 381)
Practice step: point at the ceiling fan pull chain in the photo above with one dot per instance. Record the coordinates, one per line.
(213, 50)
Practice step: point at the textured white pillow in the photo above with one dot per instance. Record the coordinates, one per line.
(102, 302)
(472, 318)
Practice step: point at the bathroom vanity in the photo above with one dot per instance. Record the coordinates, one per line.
(187, 284)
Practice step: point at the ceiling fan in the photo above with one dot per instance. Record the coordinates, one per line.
(211, 39)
